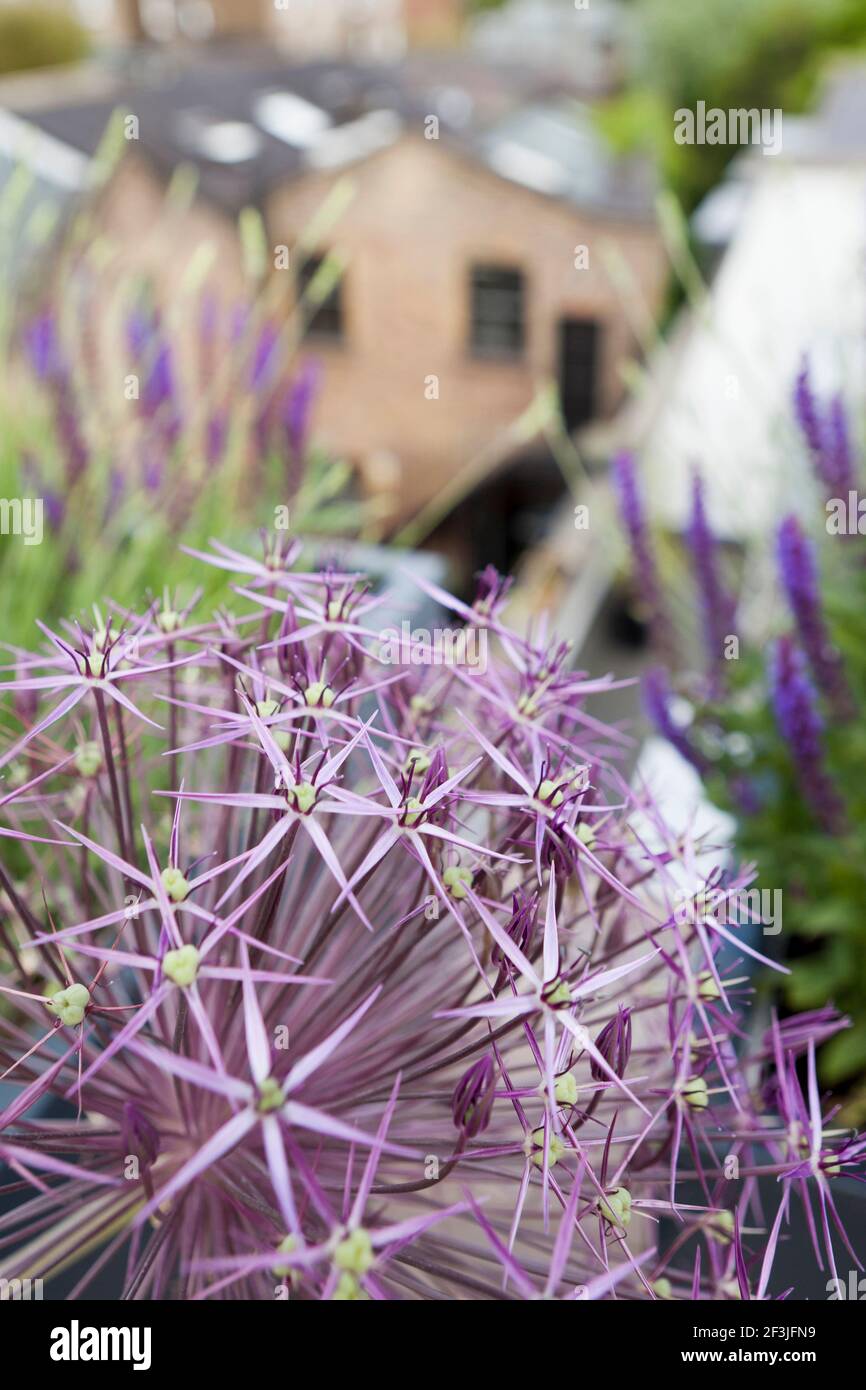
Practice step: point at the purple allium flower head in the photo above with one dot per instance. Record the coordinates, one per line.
(716, 604)
(358, 989)
(634, 520)
(801, 726)
(799, 574)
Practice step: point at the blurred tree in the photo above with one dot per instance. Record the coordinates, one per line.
(729, 54)
(33, 36)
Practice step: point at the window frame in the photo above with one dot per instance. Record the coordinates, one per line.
(492, 351)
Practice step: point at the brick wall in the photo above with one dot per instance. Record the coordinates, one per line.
(420, 216)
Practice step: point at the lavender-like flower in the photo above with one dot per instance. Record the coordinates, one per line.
(840, 459)
(806, 411)
(658, 698)
(42, 345)
(800, 724)
(717, 606)
(298, 405)
(827, 436)
(799, 574)
(633, 516)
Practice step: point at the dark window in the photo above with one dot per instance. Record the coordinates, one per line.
(323, 298)
(578, 367)
(497, 311)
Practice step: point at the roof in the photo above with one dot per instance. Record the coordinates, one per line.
(248, 121)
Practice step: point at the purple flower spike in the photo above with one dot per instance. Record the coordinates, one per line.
(799, 574)
(806, 410)
(298, 406)
(633, 516)
(801, 726)
(43, 347)
(717, 605)
(657, 696)
(840, 457)
(827, 436)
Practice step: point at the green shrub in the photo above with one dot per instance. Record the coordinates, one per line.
(34, 36)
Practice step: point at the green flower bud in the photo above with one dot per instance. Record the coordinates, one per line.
(70, 1004)
(556, 993)
(455, 880)
(355, 1254)
(533, 1147)
(175, 884)
(551, 793)
(348, 1290)
(319, 693)
(286, 1246)
(270, 1096)
(565, 1089)
(168, 620)
(181, 966)
(88, 759)
(707, 987)
(695, 1093)
(417, 762)
(303, 795)
(615, 1207)
(721, 1227)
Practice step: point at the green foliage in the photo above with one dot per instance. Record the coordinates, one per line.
(822, 876)
(729, 54)
(124, 481)
(34, 36)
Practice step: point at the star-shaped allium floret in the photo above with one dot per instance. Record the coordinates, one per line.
(261, 1101)
(97, 665)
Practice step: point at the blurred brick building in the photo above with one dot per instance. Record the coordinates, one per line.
(479, 209)
(304, 28)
